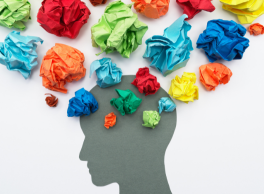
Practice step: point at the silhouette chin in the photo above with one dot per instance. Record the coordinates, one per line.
(99, 182)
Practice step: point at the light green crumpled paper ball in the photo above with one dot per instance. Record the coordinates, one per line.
(14, 12)
(151, 119)
(118, 30)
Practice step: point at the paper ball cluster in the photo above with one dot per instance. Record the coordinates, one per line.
(223, 39)
(145, 82)
(246, 10)
(171, 51)
(60, 65)
(118, 30)
(256, 29)
(63, 18)
(183, 88)
(13, 13)
(152, 8)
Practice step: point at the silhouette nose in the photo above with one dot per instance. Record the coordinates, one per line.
(82, 155)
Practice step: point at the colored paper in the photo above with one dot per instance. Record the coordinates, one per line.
(110, 120)
(193, 7)
(13, 13)
(223, 39)
(145, 82)
(118, 30)
(152, 8)
(60, 65)
(183, 88)
(108, 73)
(166, 104)
(246, 10)
(51, 100)
(127, 103)
(63, 18)
(97, 2)
(18, 53)
(171, 51)
(256, 29)
(213, 74)
(83, 103)
(151, 119)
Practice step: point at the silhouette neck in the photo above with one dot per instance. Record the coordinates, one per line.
(144, 180)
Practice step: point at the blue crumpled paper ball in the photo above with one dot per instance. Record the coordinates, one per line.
(18, 53)
(223, 39)
(108, 73)
(171, 51)
(166, 104)
(82, 104)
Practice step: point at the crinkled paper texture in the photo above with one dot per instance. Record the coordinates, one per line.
(146, 82)
(183, 88)
(60, 65)
(18, 53)
(256, 29)
(51, 100)
(246, 10)
(127, 103)
(110, 120)
(193, 7)
(152, 8)
(166, 104)
(223, 39)
(108, 73)
(171, 51)
(83, 103)
(13, 13)
(63, 18)
(213, 74)
(118, 30)
(97, 2)
(151, 119)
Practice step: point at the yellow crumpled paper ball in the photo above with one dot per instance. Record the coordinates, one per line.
(246, 10)
(183, 88)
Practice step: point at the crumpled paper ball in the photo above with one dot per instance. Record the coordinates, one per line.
(152, 8)
(51, 100)
(171, 51)
(97, 2)
(60, 65)
(118, 30)
(18, 53)
(108, 73)
(127, 103)
(183, 88)
(193, 7)
(223, 39)
(246, 10)
(84, 103)
(166, 104)
(151, 119)
(145, 82)
(63, 18)
(110, 120)
(13, 13)
(213, 74)
(256, 29)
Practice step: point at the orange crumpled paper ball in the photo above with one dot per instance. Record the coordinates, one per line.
(214, 73)
(152, 8)
(256, 29)
(110, 120)
(60, 65)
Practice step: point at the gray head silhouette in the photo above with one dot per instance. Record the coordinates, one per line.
(128, 153)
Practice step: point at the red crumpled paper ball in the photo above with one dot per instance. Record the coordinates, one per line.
(256, 29)
(97, 2)
(193, 7)
(145, 82)
(63, 17)
(152, 8)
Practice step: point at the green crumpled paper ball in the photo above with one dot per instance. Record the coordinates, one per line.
(14, 12)
(118, 30)
(151, 119)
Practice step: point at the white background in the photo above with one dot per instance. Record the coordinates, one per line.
(217, 147)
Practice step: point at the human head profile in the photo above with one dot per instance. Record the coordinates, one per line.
(128, 153)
